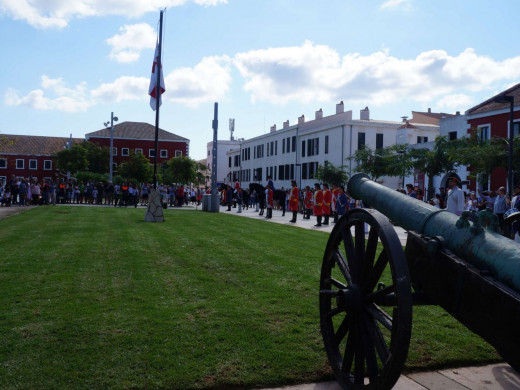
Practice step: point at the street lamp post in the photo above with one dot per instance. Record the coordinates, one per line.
(111, 168)
(511, 101)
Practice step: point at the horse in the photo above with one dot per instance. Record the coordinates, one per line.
(260, 195)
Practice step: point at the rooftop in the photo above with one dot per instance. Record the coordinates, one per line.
(135, 130)
(33, 144)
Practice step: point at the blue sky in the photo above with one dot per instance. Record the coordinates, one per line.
(67, 64)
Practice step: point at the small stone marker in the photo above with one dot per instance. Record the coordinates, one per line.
(154, 212)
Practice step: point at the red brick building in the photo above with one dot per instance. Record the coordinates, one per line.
(139, 137)
(32, 156)
(491, 119)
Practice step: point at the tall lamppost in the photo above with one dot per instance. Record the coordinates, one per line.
(511, 101)
(112, 119)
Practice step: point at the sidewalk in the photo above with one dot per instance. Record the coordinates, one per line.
(490, 377)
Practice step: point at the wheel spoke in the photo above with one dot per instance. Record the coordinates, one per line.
(348, 356)
(329, 293)
(343, 329)
(343, 266)
(337, 283)
(379, 341)
(359, 367)
(351, 256)
(370, 349)
(359, 232)
(376, 295)
(371, 281)
(381, 316)
(370, 253)
(334, 312)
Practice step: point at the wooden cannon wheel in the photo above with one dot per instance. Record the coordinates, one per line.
(366, 345)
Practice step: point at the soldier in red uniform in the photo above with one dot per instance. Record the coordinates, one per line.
(269, 201)
(293, 201)
(327, 200)
(318, 203)
(335, 195)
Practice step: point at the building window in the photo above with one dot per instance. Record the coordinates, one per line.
(3, 163)
(19, 163)
(283, 146)
(303, 148)
(288, 144)
(178, 153)
(281, 172)
(229, 162)
(516, 129)
(452, 135)
(33, 164)
(293, 148)
(164, 153)
(47, 165)
(276, 147)
(421, 139)
(292, 171)
(483, 133)
(151, 152)
(304, 171)
(140, 151)
(313, 146)
(360, 141)
(272, 148)
(326, 144)
(126, 152)
(237, 161)
(114, 151)
(379, 141)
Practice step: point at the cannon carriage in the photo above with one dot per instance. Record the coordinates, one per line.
(367, 291)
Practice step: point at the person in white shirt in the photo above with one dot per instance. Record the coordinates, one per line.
(455, 199)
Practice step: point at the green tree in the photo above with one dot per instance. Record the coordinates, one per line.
(433, 162)
(184, 170)
(136, 169)
(390, 161)
(72, 160)
(98, 157)
(328, 173)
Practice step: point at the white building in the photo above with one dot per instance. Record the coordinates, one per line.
(295, 151)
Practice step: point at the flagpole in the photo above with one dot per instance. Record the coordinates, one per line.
(157, 98)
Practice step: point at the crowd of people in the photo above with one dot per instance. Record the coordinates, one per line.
(24, 192)
(326, 203)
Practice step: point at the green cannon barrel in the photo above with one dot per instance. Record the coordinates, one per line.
(484, 249)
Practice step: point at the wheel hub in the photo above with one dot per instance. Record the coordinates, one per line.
(350, 298)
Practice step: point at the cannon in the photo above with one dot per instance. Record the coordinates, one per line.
(369, 283)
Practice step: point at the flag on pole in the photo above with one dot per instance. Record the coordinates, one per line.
(152, 90)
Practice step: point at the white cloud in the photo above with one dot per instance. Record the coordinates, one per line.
(318, 73)
(63, 98)
(58, 13)
(396, 3)
(455, 102)
(123, 88)
(209, 80)
(127, 46)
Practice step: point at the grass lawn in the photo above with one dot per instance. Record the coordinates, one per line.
(96, 298)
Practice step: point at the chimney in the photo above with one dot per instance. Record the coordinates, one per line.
(340, 107)
(301, 119)
(404, 118)
(429, 110)
(273, 128)
(286, 124)
(457, 113)
(319, 114)
(364, 114)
